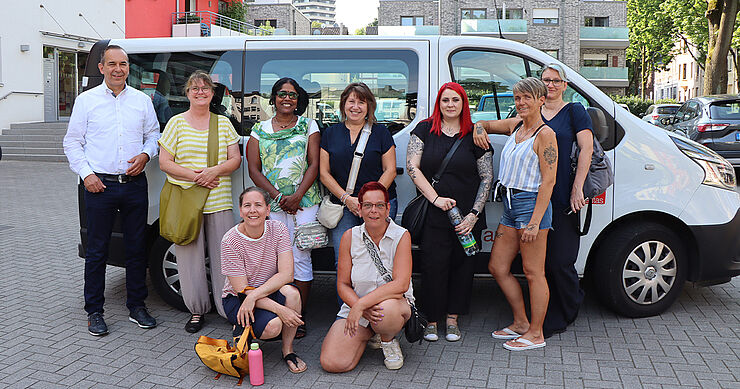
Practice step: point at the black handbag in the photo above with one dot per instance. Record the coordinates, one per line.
(416, 210)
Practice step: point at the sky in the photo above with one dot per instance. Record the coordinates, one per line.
(356, 13)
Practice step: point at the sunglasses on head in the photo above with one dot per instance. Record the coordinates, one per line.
(292, 95)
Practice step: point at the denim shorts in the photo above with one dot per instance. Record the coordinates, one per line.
(520, 213)
(232, 304)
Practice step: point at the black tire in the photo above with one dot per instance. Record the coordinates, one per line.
(634, 288)
(163, 272)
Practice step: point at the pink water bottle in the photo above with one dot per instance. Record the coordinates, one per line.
(256, 372)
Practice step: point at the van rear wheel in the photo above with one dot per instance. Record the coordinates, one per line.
(641, 269)
(163, 272)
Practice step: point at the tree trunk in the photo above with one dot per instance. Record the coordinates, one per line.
(736, 63)
(721, 16)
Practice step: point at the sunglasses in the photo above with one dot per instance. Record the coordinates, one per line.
(291, 95)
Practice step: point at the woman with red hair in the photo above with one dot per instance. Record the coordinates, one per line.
(446, 271)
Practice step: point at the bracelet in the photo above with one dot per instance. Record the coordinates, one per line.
(278, 197)
(435, 199)
(344, 197)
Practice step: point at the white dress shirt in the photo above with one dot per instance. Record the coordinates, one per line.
(105, 131)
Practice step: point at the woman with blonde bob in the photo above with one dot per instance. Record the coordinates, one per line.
(375, 307)
(528, 166)
(183, 156)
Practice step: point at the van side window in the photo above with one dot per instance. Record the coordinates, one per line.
(162, 76)
(569, 96)
(392, 75)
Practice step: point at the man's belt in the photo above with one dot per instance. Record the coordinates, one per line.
(119, 178)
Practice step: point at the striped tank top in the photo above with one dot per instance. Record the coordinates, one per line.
(520, 165)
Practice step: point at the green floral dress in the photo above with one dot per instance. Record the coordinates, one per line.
(284, 160)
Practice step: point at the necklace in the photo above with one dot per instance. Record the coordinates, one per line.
(449, 131)
(284, 126)
(523, 134)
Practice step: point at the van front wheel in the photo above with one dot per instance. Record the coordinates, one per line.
(163, 272)
(641, 269)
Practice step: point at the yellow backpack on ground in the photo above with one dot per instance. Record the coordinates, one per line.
(222, 358)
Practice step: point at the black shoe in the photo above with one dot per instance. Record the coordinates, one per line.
(547, 333)
(140, 316)
(300, 331)
(195, 323)
(96, 325)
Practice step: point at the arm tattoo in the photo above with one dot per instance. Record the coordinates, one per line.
(550, 154)
(485, 171)
(479, 129)
(414, 148)
(531, 227)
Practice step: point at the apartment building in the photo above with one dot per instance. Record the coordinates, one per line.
(322, 11)
(590, 36)
(683, 78)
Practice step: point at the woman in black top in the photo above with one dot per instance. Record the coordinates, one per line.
(447, 273)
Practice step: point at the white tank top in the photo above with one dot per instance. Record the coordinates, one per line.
(520, 165)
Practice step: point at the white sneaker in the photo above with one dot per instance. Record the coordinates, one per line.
(392, 353)
(374, 342)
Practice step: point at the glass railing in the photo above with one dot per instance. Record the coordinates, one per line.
(603, 73)
(472, 26)
(598, 33)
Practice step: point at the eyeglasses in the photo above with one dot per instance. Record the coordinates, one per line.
(291, 95)
(554, 82)
(369, 206)
(203, 89)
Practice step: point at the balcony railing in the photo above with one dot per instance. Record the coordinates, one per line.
(515, 29)
(207, 23)
(408, 30)
(605, 76)
(605, 37)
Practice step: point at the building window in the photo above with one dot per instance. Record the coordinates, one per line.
(412, 20)
(468, 13)
(683, 71)
(552, 53)
(511, 13)
(615, 61)
(265, 22)
(596, 21)
(598, 60)
(545, 16)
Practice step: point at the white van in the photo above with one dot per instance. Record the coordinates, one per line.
(672, 214)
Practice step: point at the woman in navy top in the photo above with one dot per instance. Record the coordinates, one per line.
(338, 143)
(571, 123)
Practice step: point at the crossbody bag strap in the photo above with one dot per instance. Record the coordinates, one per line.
(359, 153)
(376, 258)
(446, 161)
(213, 140)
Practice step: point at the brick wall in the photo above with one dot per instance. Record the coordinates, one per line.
(390, 12)
(286, 15)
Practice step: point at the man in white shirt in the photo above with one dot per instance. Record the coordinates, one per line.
(112, 134)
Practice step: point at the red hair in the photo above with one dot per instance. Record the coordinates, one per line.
(370, 186)
(466, 123)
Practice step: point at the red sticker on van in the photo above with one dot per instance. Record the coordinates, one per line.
(600, 199)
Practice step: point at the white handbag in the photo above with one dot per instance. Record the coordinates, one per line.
(329, 213)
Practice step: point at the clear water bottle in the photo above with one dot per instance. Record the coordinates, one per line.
(468, 240)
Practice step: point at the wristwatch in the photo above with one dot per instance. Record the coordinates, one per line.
(475, 212)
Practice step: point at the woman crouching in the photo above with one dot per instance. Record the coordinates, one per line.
(374, 306)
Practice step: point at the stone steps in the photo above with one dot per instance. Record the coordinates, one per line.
(34, 142)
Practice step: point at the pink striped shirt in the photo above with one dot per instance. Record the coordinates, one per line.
(254, 258)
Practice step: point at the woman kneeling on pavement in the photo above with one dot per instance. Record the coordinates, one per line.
(528, 165)
(257, 254)
(375, 308)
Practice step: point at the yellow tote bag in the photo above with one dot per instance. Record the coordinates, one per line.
(181, 210)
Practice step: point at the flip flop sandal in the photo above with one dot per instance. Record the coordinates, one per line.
(510, 334)
(300, 331)
(529, 345)
(293, 357)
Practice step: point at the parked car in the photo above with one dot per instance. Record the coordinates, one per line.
(487, 110)
(713, 121)
(672, 214)
(656, 112)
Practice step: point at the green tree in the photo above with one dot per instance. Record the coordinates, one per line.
(689, 25)
(236, 10)
(316, 24)
(650, 45)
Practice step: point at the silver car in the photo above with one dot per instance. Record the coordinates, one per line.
(656, 112)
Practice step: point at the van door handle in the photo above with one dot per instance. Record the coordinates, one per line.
(399, 171)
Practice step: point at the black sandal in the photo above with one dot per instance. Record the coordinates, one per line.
(293, 357)
(195, 323)
(300, 331)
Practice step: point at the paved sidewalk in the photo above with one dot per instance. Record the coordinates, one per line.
(44, 341)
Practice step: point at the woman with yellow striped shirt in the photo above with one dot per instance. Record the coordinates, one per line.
(183, 155)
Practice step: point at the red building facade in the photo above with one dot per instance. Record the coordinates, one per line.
(153, 18)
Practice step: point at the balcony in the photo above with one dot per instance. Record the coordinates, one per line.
(513, 29)
(207, 23)
(605, 37)
(605, 77)
(408, 30)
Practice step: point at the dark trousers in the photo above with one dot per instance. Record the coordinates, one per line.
(566, 294)
(132, 200)
(446, 273)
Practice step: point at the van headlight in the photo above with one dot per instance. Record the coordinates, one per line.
(718, 172)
